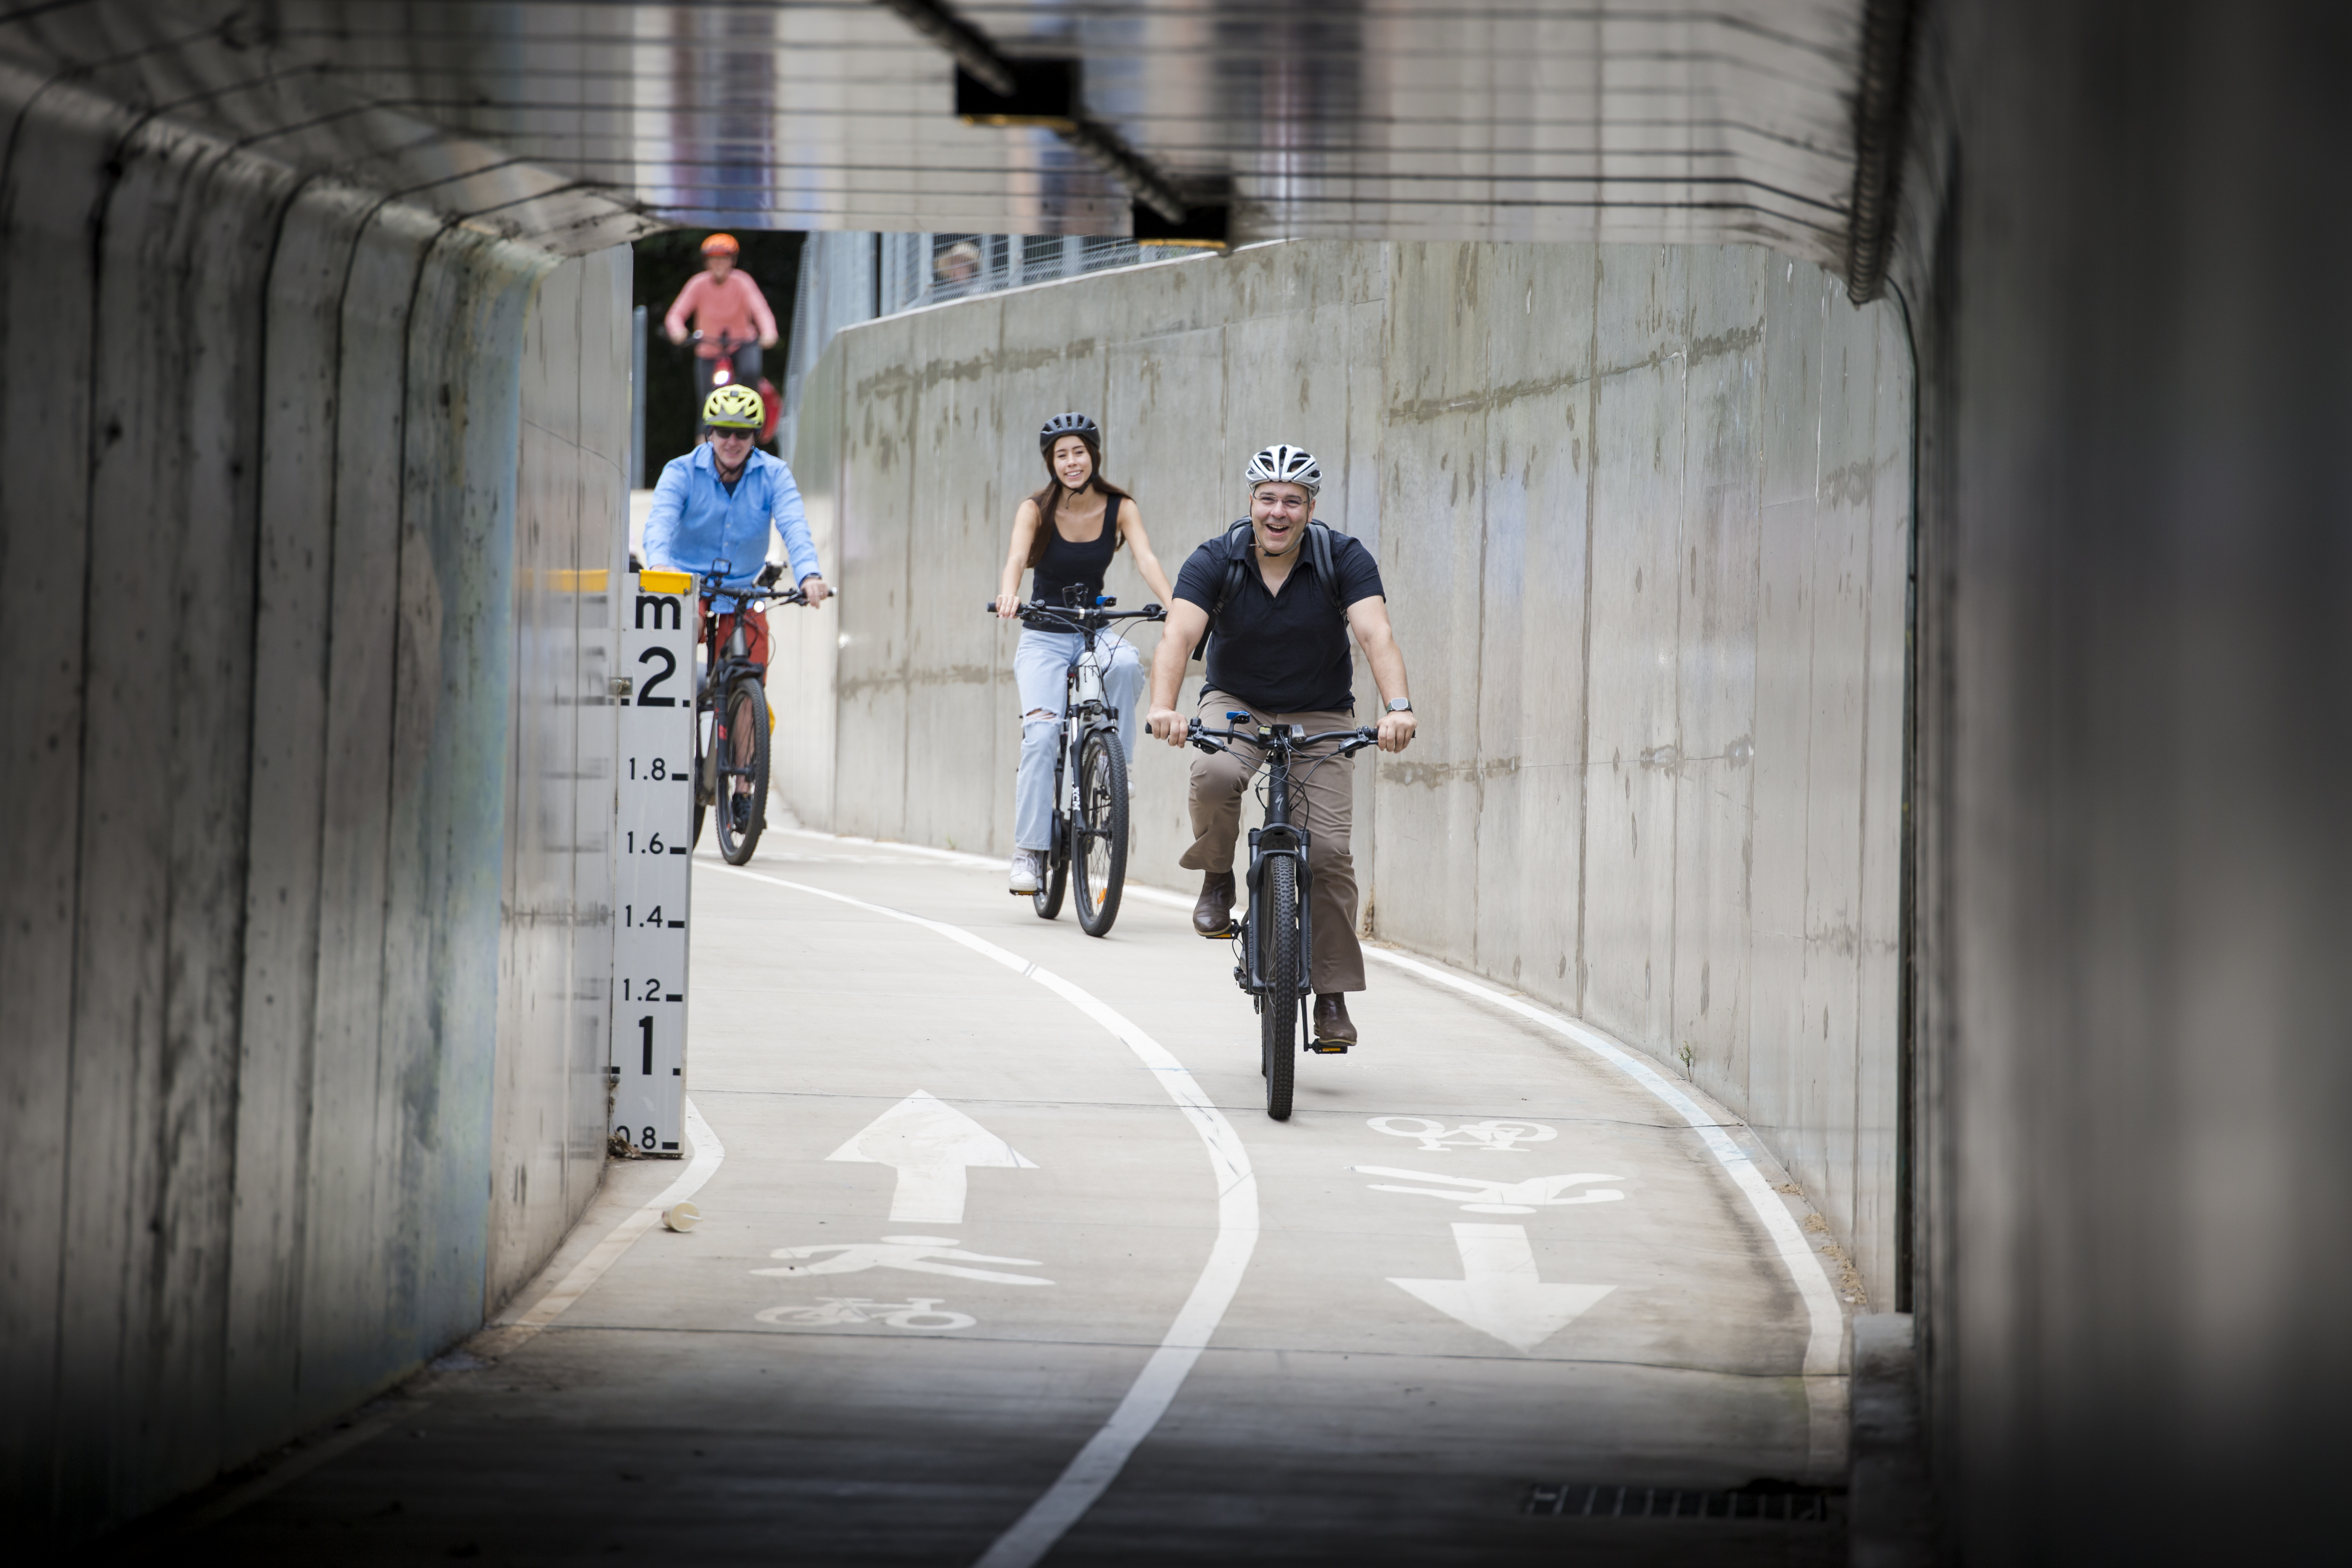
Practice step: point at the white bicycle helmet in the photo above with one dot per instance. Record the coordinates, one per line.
(1285, 464)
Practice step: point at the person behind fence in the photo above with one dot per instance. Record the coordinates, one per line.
(1066, 535)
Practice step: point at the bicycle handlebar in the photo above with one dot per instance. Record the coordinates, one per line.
(714, 587)
(1077, 616)
(1296, 738)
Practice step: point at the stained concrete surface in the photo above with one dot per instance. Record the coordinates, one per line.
(1335, 1418)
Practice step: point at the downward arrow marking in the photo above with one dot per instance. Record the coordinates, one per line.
(1499, 1293)
(930, 1143)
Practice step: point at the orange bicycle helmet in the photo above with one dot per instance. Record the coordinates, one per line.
(721, 245)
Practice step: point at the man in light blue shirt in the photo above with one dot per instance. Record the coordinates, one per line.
(719, 502)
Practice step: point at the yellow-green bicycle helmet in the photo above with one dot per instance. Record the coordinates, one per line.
(734, 409)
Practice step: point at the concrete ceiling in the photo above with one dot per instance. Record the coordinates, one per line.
(579, 125)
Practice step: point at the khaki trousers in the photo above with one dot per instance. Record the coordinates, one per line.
(1329, 790)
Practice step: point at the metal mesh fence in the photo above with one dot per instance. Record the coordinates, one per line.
(930, 269)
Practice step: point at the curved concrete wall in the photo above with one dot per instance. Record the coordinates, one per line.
(311, 499)
(2134, 694)
(1644, 516)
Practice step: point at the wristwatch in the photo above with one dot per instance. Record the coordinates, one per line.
(1400, 705)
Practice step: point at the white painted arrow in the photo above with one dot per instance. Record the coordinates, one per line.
(931, 1143)
(1499, 1293)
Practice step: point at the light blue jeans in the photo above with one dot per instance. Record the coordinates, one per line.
(1041, 668)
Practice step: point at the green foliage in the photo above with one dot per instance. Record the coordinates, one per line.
(664, 264)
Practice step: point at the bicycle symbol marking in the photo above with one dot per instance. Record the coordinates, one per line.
(1494, 1137)
(926, 1313)
(916, 1254)
(1481, 1196)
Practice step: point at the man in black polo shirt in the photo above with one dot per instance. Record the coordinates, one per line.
(1281, 651)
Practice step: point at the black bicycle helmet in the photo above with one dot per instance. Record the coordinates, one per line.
(1062, 424)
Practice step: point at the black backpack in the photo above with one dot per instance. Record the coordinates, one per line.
(1234, 544)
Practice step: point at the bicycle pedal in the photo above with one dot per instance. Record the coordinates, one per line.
(1226, 935)
(1329, 1048)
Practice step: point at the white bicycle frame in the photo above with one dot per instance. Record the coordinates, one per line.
(1085, 688)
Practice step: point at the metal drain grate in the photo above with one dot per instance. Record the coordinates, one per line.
(1776, 1502)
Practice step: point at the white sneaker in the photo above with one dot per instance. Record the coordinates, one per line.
(1027, 864)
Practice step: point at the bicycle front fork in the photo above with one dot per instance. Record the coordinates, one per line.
(1252, 973)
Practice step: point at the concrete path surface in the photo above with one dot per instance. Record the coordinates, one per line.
(1003, 1263)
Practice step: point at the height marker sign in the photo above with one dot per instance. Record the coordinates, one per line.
(653, 867)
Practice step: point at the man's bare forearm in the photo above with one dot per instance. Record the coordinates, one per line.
(1387, 660)
(1167, 670)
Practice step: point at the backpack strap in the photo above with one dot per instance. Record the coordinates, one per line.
(1319, 551)
(1236, 558)
(1318, 540)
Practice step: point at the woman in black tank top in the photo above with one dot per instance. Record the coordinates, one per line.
(1065, 535)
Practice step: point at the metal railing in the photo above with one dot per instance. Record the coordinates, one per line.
(931, 268)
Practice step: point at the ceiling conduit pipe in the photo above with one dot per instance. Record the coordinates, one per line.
(1878, 112)
(1044, 94)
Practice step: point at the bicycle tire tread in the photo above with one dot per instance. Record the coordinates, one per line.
(1279, 1019)
(1097, 908)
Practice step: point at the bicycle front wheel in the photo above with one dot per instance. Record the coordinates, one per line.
(742, 803)
(1098, 858)
(1278, 1013)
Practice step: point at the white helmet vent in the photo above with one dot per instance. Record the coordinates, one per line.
(1288, 464)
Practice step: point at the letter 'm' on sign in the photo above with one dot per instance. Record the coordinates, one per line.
(662, 605)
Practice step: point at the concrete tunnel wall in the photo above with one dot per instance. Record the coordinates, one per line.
(313, 501)
(1644, 517)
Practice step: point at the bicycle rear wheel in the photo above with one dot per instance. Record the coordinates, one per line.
(1277, 1014)
(1098, 858)
(1055, 874)
(702, 775)
(747, 738)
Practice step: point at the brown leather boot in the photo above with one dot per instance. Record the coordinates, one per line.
(1214, 915)
(1332, 1025)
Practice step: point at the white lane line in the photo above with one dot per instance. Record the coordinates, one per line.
(1825, 1345)
(708, 1154)
(1106, 1452)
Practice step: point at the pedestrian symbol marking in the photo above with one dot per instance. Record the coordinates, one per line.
(1499, 1293)
(1494, 1137)
(924, 1312)
(930, 1143)
(1483, 1197)
(919, 1254)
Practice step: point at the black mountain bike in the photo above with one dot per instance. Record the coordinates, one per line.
(1089, 772)
(731, 722)
(1277, 936)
